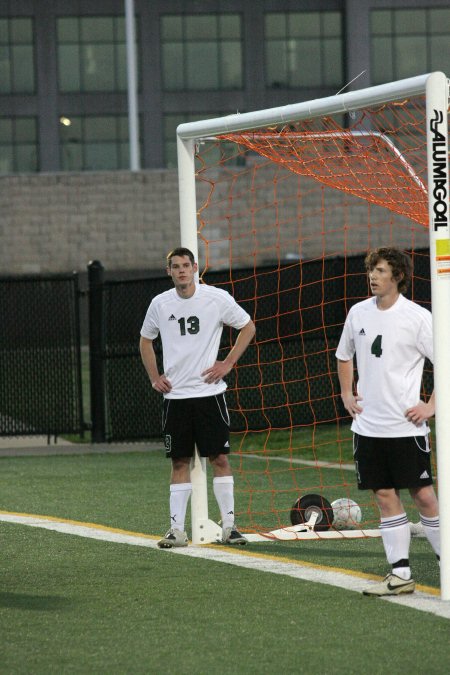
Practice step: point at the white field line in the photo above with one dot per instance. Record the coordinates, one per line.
(424, 599)
(306, 462)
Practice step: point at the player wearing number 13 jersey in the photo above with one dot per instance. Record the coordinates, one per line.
(190, 330)
(190, 319)
(391, 337)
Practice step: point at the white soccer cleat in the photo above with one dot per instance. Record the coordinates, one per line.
(173, 538)
(230, 535)
(391, 585)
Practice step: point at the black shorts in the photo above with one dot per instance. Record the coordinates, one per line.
(203, 422)
(397, 463)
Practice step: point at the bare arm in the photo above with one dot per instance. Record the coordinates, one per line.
(222, 368)
(159, 382)
(350, 401)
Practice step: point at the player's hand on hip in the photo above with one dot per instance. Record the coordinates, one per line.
(162, 384)
(351, 405)
(420, 413)
(218, 371)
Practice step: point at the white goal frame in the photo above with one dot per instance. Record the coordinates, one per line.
(435, 86)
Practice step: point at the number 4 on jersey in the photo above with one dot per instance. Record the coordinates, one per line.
(376, 347)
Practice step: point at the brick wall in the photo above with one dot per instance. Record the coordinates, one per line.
(58, 222)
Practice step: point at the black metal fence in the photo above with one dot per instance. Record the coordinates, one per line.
(40, 357)
(288, 376)
(124, 405)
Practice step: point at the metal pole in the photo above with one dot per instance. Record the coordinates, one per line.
(133, 114)
(96, 348)
(78, 354)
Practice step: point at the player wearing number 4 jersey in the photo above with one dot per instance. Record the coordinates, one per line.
(391, 336)
(190, 318)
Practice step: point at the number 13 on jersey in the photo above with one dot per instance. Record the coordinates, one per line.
(190, 325)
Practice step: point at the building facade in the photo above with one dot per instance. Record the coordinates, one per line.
(63, 68)
(67, 195)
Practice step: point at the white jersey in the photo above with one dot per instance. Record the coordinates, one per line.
(390, 347)
(190, 330)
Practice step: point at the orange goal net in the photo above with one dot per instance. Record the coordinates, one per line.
(285, 216)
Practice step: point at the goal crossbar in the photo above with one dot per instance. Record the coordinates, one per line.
(330, 105)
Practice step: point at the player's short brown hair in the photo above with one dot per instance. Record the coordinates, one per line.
(180, 251)
(399, 261)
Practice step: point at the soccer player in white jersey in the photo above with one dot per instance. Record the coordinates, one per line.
(391, 336)
(190, 318)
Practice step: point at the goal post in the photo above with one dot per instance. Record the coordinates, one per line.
(384, 150)
(437, 104)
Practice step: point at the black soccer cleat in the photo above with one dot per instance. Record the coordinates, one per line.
(230, 535)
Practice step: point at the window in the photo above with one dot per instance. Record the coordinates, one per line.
(94, 143)
(408, 42)
(17, 56)
(201, 52)
(18, 145)
(303, 49)
(91, 54)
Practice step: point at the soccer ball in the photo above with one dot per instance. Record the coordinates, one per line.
(347, 514)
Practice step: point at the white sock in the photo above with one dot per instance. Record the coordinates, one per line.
(402, 572)
(396, 536)
(223, 487)
(179, 497)
(431, 530)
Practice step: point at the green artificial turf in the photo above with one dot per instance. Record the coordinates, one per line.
(74, 605)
